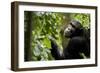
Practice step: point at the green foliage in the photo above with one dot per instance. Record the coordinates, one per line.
(83, 18)
(46, 24)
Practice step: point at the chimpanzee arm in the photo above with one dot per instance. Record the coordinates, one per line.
(55, 51)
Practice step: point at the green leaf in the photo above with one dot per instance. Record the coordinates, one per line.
(46, 42)
(36, 51)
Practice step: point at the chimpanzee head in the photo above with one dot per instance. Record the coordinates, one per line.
(74, 28)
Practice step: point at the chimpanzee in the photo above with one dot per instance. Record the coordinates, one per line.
(78, 46)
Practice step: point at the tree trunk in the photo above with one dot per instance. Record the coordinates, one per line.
(28, 36)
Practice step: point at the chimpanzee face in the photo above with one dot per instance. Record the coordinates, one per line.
(74, 28)
(69, 30)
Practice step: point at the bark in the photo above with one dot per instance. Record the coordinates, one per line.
(28, 36)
